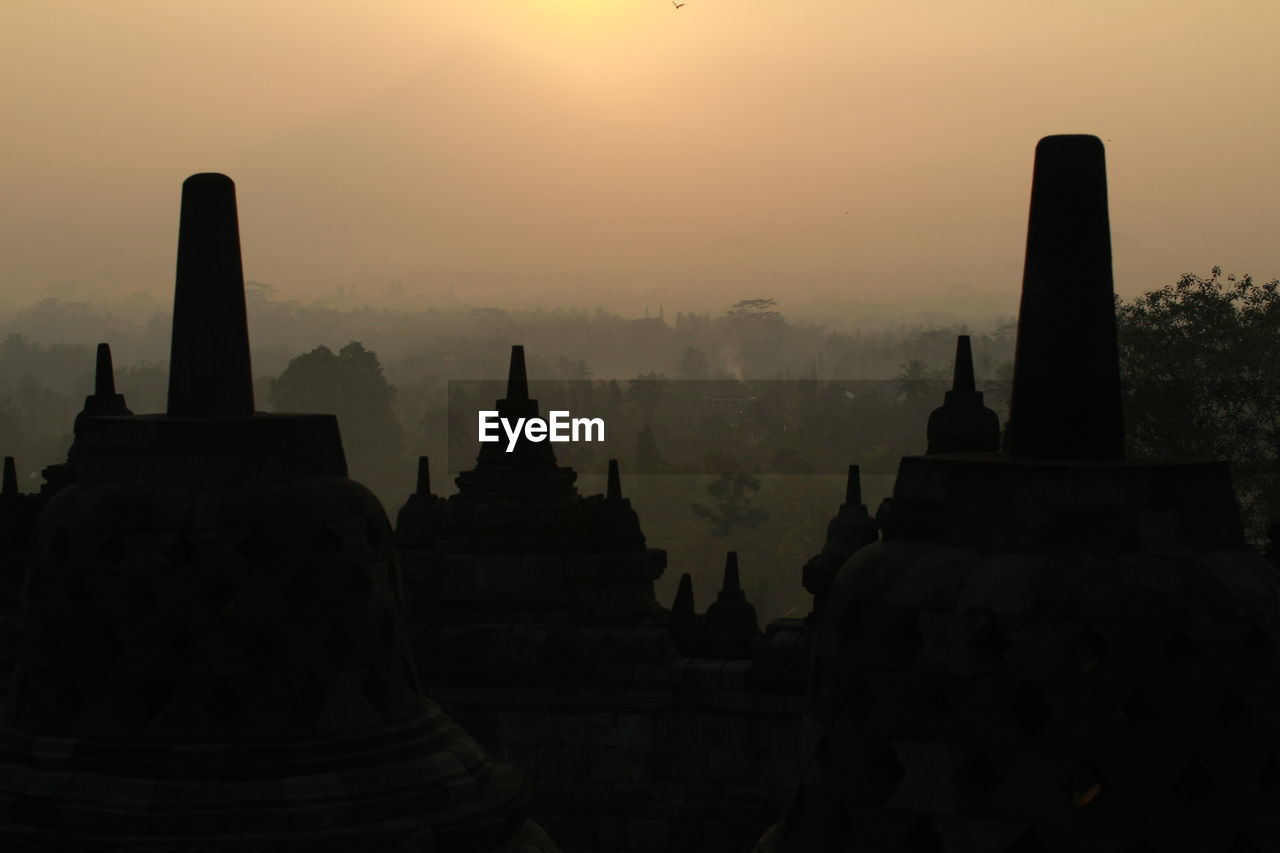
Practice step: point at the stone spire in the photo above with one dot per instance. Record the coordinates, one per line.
(614, 489)
(1066, 385)
(424, 477)
(515, 405)
(10, 487)
(209, 372)
(517, 377)
(962, 424)
(104, 400)
(685, 623)
(850, 529)
(731, 615)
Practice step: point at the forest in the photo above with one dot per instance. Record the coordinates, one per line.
(734, 430)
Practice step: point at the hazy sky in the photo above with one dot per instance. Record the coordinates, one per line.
(729, 149)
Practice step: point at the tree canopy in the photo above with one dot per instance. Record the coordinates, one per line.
(1199, 363)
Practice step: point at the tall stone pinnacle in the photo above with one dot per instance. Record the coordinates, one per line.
(517, 378)
(104, 381)
(682, 607)
(853, 487)
(424, 477)
(10, 482)
(104, 400)
(614, 490)
(962, 381)
(1066, 401)
(209, 371)
(731, 589)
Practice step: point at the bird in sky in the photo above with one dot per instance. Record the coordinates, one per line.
(677, 5)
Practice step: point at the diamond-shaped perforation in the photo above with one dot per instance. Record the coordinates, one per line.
(903, 640)
(219, 596)
(410, 673)
(976, 780)
(989, 641)
(300, 594)
(883, 773)
(358, 590)
(393, 580)
(1259, 645)
(339, 643)
(836, 831)
(113, 549)
(1193, 786)
(183, 648)
(1087, 649)
(154, 694)
(375, 691)
(1180, 650)
(1028, 711)
(1030, 841)
(859, 699)
(1084, 785)
(849, 622)
(225, 706)
(258, 548)
(76, 593)
(1234, 714)
(309, 700)
(70, 702)
(18, 702)
(181, 552)
(263, 651)
(920, 838)
(1270, 778)
(389, 633)
(141, 597)
(330, 541)
(377, 532)
(58, 547)
(933, 703)
(106, 645)
(1139, 714)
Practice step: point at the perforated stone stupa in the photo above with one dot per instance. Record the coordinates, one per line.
(1055, 649)
(213, 656)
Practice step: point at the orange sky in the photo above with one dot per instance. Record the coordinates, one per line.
(524, 149)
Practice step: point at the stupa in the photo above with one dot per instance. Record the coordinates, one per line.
(1055, 649)
(213, 656)
(962, 424)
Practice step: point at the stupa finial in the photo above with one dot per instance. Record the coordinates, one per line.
(209, 371)
(104, 380)
(424, 477)
(1066, 401)
(732, 586)
(517, 378)
(682, 607)
(962, 381)
(853, 486)
(614, 490)
(10, 484)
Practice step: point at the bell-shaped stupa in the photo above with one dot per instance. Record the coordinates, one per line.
(213, 656)
(1054, 649)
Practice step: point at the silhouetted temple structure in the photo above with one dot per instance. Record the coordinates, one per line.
(962, 424)
(534, 620)
(849, 530)
(212, 655)
(1054, 649)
